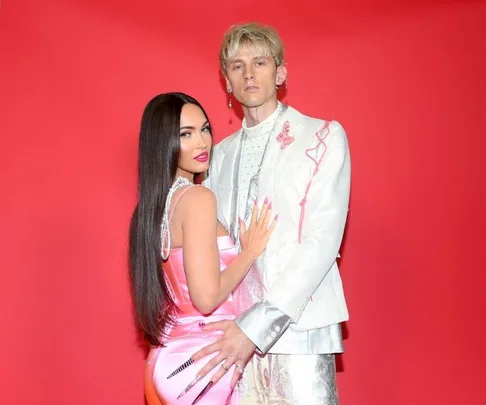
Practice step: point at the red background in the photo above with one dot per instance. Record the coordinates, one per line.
(406, 80)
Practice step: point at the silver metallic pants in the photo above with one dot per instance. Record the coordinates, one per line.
(290, 379)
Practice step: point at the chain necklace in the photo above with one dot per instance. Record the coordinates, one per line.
(165, 228)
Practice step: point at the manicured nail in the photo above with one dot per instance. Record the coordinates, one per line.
(270, 206)
(191, 384)
(256, 202)
(201, 324)
(266, 200)
(276, 217)
(205, 389)
(228, 399)
(181, 367)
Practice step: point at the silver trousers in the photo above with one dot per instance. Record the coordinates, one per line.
(289, 379)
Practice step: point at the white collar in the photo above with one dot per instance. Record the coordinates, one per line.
(264, 127)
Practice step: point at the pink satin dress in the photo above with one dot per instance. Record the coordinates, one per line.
(185, 338)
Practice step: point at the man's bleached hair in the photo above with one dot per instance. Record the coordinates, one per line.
(264, 38)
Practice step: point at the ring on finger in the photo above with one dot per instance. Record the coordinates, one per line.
(225, 368)
(240, 369)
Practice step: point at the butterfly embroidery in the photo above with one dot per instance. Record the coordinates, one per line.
(283, 137)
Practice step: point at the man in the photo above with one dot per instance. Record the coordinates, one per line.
(292, 301)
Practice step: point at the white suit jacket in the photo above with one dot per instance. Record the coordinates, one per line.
(305, 173)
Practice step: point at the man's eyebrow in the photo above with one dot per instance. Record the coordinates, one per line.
(253, 58)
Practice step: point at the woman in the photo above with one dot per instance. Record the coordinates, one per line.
(178, 250)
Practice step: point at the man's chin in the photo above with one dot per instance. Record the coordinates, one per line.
(252, 103)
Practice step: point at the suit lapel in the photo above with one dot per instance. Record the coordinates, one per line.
(226, 180)
(226, 176)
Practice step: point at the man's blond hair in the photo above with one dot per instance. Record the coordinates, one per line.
(263, 37)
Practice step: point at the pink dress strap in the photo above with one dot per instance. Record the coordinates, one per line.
(173, 205)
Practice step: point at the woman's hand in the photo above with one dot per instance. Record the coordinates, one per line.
(255, 238)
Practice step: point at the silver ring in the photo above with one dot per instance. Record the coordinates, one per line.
(225, 368)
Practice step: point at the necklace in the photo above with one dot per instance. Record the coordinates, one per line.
(165, 228)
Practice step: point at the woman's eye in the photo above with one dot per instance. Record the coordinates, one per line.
(206, 129)
(185, 134)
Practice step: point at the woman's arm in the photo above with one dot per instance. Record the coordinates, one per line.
(208, 286)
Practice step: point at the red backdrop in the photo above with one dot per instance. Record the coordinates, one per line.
(407, 81)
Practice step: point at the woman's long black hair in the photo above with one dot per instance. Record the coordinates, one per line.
(159, 146)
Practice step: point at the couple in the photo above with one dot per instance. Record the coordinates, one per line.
(236, 280)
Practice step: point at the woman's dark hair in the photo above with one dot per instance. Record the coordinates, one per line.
(159, 146)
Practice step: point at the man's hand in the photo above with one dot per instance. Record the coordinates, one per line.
(234, 348)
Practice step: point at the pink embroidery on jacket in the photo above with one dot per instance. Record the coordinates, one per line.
(283, 137)
(320, 141)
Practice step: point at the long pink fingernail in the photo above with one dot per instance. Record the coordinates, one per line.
(266, 200)
(201, 394)
(191, 384)
(270, 206)
(228, 399)
(276, 217)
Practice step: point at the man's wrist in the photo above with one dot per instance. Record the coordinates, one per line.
(263, 324)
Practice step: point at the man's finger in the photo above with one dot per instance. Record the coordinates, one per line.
(219, 325)
(219, 358)
(199, 376)
(226, 367)
(234, 381)
(205, 351)
(236, 376)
